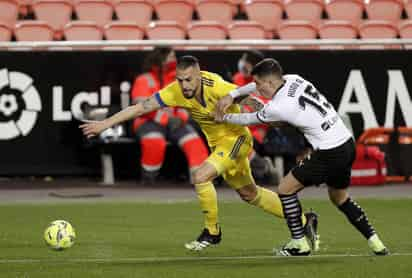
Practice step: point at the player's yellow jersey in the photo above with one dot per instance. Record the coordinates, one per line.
(213, 88)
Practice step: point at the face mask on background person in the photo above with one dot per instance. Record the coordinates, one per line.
(241, 66)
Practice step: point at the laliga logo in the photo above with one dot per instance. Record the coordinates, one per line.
(17, 91)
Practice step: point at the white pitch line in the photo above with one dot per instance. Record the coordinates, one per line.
(184, 259)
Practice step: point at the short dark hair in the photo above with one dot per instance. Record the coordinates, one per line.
(253, 56)
(187, 61)
(266, 67)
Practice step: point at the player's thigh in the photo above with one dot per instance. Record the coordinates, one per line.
(340, 179)
(313, 170)
(241, 177)
(228, 151)
(237, 172)
(340, 166)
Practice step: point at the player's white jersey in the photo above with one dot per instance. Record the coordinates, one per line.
(299, 103)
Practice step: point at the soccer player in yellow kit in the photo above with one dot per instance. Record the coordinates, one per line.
(198, 92)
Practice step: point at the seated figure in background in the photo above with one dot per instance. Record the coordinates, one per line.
(153, 130)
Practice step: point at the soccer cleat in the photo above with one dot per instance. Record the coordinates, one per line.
(311, 230)
(377, 246)
(204, 240)
(295, 247)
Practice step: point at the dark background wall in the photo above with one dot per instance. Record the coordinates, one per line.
(57, 147)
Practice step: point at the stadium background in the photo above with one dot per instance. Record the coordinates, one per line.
(63, 151)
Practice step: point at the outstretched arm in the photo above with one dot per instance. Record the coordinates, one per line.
(91, 129)
(249, 119)
(244, 90)
(242, 118)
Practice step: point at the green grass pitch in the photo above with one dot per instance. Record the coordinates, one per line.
(146, 240)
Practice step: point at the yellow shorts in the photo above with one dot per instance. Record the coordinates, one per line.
(230, 158)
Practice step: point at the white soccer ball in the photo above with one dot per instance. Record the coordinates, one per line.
(59, 235)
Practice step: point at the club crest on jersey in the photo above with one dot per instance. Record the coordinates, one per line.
(262, 113)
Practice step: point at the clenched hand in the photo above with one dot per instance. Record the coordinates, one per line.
(221, 107)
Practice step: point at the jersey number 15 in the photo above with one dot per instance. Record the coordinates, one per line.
(314, 99)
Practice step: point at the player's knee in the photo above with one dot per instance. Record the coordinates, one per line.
(247, 193)
(337, 196)
(247, 197)
(199, 176)
(289, 185)
(284, 190)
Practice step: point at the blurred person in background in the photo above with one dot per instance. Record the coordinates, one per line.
(262, 166)
(153, 130)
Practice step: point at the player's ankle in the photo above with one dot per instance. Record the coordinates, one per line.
(213, 229)
(375, 243)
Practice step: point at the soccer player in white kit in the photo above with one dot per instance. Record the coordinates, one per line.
(296, 101)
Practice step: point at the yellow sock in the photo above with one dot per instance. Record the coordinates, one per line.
(269, 201)
(206, 194)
